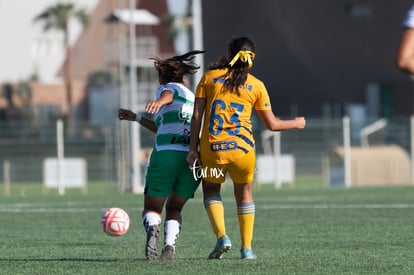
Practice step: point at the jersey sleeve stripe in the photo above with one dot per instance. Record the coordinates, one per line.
(179, 98)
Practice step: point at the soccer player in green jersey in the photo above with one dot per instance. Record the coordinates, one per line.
(168, 181)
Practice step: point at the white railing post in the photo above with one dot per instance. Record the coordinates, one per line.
(6, 175)
(276, 155)
(267, 148)
(197, 33)
(347, 151)
(60, 157)
(412, 148)
(135, 141)
(370, 129)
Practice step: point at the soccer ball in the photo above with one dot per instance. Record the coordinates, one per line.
(115, 221)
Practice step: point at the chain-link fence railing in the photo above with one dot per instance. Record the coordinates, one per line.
(25, 147)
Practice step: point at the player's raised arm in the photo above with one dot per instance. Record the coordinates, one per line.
(124, 114)
(273, 123)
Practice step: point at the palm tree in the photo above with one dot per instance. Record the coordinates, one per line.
(177, 23)
(57, 17)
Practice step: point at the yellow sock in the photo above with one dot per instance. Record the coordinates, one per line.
(215, 212)
(245, 215)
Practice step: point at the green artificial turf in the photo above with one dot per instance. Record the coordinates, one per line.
(298, 230)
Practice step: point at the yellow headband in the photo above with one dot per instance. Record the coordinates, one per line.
(244, 56)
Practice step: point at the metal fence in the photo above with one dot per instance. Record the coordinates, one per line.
(25, 147)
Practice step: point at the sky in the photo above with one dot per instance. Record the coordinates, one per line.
(26, 49)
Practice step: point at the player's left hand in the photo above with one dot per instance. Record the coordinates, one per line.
(153, 107)
(193, 159)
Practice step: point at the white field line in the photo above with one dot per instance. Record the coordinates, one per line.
(43, 208)
(57, 210)
(48, 210)
(338, 206)
(67, 207)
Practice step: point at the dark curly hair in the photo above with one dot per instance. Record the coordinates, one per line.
(174, 68)
(236, 75)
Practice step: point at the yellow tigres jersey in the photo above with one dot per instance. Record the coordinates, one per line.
(227, 130)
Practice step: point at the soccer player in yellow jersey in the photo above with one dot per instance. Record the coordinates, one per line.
(405, 54)
(226, 96)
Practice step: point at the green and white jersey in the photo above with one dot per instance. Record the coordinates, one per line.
(173, 120)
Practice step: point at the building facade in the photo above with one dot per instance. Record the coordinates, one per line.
(319, 58)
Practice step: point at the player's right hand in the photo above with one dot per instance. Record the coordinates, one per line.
(300, 122)
(124, 114)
